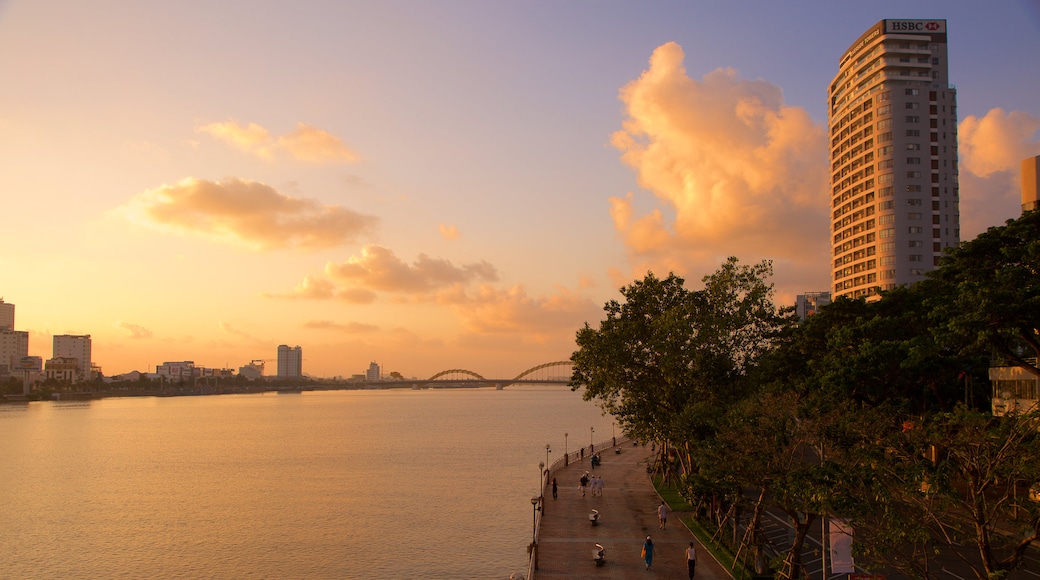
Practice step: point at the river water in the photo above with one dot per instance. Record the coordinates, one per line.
(323, 484)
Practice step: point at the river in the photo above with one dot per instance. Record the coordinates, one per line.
(429, 483)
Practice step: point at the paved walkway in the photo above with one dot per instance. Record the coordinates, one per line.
(628, 514)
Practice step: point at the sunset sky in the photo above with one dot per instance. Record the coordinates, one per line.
(436, 184)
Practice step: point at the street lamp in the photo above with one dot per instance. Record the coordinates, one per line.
(591, 431)
(541, 472)
(548, 450)
(534, 518)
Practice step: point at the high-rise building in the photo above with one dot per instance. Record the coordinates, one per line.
(373, 373)
(290, 362)
(892, 116)
(14, 345)
(71, 346)
(1030, 184)
(6, 315)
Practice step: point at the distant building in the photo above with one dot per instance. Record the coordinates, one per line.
(174, 372)
(1031, 183)
(14, 344)
(892, 120)
(373, 373)
(64, 369)
(6, 315)
(252, 371)
(290, 362)
(805, 305)
(1015, 390)
(72, 346)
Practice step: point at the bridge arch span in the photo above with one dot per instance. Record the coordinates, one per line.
(456, 371)
(532, 370)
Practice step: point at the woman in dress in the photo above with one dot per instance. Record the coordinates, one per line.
(648, 552)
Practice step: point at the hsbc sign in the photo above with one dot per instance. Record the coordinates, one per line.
(925, 26)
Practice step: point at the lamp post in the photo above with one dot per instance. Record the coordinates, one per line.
(591, 431)
(548, 450)
(534, 518)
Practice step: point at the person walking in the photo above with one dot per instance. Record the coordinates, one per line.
(583, 483)
(691, 559)
(648, 552)
(554, 487)
(662, 514)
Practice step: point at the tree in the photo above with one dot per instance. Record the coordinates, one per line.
(959, 480)
(668, 361)
(994, 281)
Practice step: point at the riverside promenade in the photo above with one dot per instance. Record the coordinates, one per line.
(627, 515)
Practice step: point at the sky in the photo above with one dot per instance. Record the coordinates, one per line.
(432, 185)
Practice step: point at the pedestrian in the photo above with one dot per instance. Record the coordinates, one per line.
(583, 483)
(691, 559)
(554, 487)
(599, 485)
(648, 552)
(662, 513)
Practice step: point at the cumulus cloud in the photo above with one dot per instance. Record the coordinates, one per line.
(733, 169)
(991, 150)
(136, 331)
(490, 310)
(378, 268)
(998, 141)
(448, 232)
(248, 212)
(306, 143)
(347, 327)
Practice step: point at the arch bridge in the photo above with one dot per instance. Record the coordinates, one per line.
(553, 373)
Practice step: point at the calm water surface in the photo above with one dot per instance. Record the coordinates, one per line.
(334, 484)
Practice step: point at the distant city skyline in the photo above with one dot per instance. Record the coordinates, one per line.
(437, 185)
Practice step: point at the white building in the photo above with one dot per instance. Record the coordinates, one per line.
(175, 372)
(290, 362)
(6, 315)
(805, 305)
(892, 116)
(73, 346)
(1015, 390)
(373, 373)
(252, 371)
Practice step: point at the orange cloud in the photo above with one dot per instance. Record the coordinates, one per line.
(991, 150)
(136, 331)
(349, 327)
(448, 232)
(248, 212)
(252, 138)
(491, 310)
(998, 141)
(379, 269)
(734, 169)
(306, 143)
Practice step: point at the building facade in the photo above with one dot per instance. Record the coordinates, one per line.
(373, 373)
(73, 346)
(6, 315)
(290, 362)
(14, 345)
(892, 117)
(805, 305)
(1031, 183)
